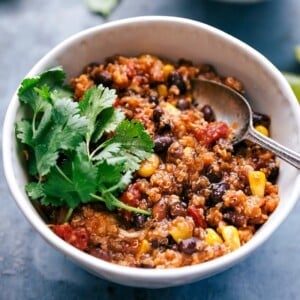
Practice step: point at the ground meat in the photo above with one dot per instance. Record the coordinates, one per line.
(200, 190)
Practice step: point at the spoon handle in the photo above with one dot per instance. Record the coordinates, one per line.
(284, 153)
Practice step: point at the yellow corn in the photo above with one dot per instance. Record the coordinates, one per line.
(257, 182)
(262, 129)
(231, 236)
(170, 109)
(167, 69)
(162, 90)
(181, 229)
(144, 247)
(212, 237)
(149, 166)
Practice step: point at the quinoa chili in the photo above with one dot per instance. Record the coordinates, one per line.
(206, 196)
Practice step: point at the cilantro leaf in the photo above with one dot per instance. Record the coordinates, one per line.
(96, 99)
(107, 121)
(111, 181)
(110, 151)
(59, 190)
(135, 144)
(113, 176)
(75, 188)
(45, 158)
(24, 131)
(103, 7)
(60, 92)
(34, 190)
(35, 91)
(84, 175)
(56, 123)
(61, 128)
(64, 144)
(132, 136)
(70, 126)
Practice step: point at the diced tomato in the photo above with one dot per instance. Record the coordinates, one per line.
(77, 237)
(132, 196)
(213, 132)
(117, 102)
(198, 218)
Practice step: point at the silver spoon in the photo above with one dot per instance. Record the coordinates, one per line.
(233, 108)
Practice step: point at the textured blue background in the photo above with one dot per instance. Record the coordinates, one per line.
(29, 268)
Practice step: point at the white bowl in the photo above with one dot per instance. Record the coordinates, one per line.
(172, 38)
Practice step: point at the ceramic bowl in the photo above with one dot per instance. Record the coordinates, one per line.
(172, 38)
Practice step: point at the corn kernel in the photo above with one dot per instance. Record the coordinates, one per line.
(144, 247)
(170, 109)
(212, 237)
(162, 90)
(181, 230)
(262, 129)
(167, 69)
(149, 166)
(257, 182)
(231, 237)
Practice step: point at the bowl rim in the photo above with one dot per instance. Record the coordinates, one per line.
(210, 267)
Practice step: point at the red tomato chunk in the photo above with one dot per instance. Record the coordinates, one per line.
(78, 237)
(213, 132)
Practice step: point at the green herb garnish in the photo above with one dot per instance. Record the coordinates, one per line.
(67, 148)
(294, 81)
(103, 7)
(293, 78)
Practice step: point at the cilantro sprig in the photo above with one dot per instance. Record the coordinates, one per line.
(67, 146)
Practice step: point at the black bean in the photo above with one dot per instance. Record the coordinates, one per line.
(103, 77)
(157, 113)
(177, 209)
(208, 113)
(272, 177)
(148, 265)
(235, 219)
(138, 220)
(261, 119)
(175, 78)
(164, 125)
(240, 148)
(160, 242)
(188, 246)
(182, 104)
(155, 243)
(90, 66)
(185, 194)
(217, 192)
(172, 243)
(184, 62)
(162, 143)
(153, 99)
(213, 174)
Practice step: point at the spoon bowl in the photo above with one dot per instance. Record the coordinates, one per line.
(232, 108)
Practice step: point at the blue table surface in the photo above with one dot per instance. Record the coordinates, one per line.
(30, 268)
